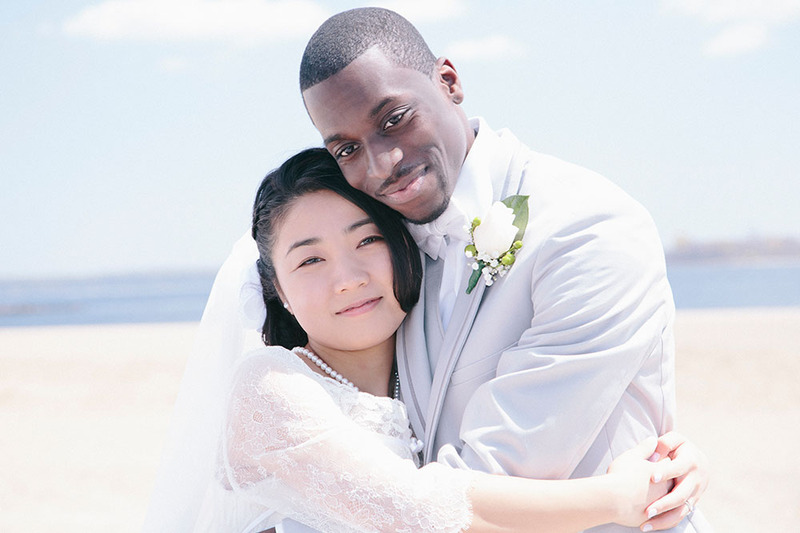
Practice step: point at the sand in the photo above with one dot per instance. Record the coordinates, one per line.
(84, 410)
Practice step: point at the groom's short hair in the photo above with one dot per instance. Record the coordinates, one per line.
(345, 36)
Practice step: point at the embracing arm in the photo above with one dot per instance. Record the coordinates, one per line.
(290, 448)
(593, 373)
(598, 347)
(504, 503)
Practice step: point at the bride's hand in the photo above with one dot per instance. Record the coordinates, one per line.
(688, 466)
(633, 475)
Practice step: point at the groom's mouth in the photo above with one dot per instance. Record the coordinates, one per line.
(401, 189)
(360, 307)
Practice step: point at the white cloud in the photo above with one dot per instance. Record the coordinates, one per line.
(736, 40)
(173, 64)
(765, 11)
(242, 22)
(747, 23)
(418, 11)
(493, 47)
(46, 29)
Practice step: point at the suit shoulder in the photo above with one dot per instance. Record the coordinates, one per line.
(565, 191)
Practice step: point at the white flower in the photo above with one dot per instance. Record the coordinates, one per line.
(492, 247)
(496, 232)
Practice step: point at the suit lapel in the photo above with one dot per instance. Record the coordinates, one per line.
(426, 388)
(464, 312)
(412, 360)
(505, 162)
(434, 330)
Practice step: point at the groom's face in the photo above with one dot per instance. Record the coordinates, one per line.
(397, 133)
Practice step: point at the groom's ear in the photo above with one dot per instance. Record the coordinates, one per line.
(447, 78)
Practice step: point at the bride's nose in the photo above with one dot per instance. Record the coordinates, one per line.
(350, 274)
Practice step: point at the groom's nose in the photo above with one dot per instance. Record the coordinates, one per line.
(382, 158)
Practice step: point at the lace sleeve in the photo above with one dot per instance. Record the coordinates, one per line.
(290, 447)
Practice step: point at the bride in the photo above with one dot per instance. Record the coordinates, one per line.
(310, 429)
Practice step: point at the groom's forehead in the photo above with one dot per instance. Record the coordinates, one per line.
(361, 91)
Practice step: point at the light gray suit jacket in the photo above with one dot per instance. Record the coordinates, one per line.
(565, 362)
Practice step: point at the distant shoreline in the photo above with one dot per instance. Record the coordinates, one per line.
(743, 261)
(754, 251)
(700, 276)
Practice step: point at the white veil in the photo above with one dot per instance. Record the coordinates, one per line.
(230, 325)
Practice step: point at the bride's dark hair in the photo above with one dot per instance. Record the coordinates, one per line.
(310, 171)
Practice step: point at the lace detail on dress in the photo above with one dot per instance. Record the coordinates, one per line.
(333, 458)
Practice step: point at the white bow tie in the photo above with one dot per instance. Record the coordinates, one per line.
(430, 237)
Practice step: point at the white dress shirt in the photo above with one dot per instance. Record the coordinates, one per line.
(445, 238)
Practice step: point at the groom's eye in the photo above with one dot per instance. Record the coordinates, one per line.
(346, 151)
(393, 120)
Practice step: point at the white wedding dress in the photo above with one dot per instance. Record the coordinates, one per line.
(300, 445)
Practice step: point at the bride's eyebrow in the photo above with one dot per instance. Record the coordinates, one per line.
(352, 227)
(315, 240)
(306, 242)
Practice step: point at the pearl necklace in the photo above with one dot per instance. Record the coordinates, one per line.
(414, 444)
(325, 367)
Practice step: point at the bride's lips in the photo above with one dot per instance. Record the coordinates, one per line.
(360, 307)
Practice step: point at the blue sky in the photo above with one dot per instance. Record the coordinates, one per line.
(133, 133)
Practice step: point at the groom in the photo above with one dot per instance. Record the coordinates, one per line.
(563, 363)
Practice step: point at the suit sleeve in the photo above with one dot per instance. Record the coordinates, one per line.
(599, 335)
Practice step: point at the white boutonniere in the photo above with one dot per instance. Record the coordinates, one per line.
(494, 241)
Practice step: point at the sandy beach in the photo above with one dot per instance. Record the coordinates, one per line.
(84, 410)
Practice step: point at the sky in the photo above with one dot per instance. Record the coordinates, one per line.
(134, 133)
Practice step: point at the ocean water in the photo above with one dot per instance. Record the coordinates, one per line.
(697, 286)
(178, 298)
(105, 300)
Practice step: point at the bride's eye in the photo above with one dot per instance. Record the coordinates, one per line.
(370, 240)
(309, 261)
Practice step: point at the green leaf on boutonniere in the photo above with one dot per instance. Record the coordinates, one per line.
(473, 280)
(519, 204)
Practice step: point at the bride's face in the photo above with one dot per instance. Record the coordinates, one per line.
(334, 270)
